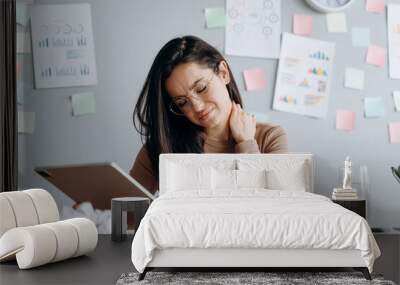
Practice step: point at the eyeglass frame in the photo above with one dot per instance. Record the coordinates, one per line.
(197, 96)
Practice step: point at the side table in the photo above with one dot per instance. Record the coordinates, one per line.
(357, 206)
(119, 208)
(388, 263)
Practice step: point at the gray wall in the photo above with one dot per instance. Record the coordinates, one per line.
(128, 34)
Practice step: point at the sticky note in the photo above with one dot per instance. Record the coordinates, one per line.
(396, 99)
(23, 42)
(254, 79)
(345, 120)
(376, 55)
(302, 25)
(360, 37)
(260, 116)
(336, 22)
(26, 122)
(215, 17)
(394, 132)
(354, 78)
(375, 6)
(83, 103)
(373, 107)
(22, 13)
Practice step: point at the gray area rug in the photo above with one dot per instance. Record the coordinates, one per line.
(228, 278)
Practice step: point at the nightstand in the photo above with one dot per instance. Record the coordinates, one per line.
(357, 206)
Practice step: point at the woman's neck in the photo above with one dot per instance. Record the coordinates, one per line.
(219, 133)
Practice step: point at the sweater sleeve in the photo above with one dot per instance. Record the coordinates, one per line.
(142, 171)
(274, 140)
(268, 139)
(249, 146)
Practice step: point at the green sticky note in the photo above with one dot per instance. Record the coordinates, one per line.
(215, 17)
(22, 14)
(83, 103)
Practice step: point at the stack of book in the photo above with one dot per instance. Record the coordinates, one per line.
(344, 194)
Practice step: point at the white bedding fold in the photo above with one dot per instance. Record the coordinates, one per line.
(252, 218)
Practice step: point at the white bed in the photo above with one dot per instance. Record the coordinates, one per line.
(247, 210)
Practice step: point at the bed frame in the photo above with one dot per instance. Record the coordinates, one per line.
(248, 259)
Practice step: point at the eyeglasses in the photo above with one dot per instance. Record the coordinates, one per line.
(181, 104)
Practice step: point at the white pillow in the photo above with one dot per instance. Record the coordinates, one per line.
(223, 179)
(251, 178)
(228, 179)
(181, 177)
(282, 174)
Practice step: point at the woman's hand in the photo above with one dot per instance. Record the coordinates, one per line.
(242, 124)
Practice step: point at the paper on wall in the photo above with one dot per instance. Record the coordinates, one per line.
(345, 120)
(360, 37)
(376, 55)
(304, 76)
(215, 17)
(63, 46)
(83, 103)
(254, 79)
(373, 107)
(394, 40)
(302, 24)
(394, 132)
(253, 28)
(396, 99)
(354, 78)
(23, 42)
(26, 122)
(336, 22)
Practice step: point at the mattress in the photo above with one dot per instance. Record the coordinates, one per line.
(251, 218)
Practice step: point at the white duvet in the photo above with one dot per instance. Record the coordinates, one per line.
(251, 218)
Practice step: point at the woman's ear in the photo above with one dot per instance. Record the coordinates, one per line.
(224, 72)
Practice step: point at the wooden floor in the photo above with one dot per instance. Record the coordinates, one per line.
(102, 266)
(111, 259)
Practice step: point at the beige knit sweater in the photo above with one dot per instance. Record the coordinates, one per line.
(268, 139)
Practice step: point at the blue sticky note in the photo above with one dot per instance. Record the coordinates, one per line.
(83, 103)
(374, 107)
(22, 14)
(360, 37)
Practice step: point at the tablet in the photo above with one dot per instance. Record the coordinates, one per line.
(97, 183)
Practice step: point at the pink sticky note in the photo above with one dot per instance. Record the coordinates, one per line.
(302, 25)
(376, 55)
(375, 6)
(345, 120)
(394, 132)
(254, 79)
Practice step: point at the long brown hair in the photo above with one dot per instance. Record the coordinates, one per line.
(162, 131)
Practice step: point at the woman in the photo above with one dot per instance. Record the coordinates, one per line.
(190, 104)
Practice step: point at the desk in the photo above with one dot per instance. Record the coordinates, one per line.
(102, 266)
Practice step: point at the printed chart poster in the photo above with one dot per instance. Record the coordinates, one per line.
(304, 76)
(394, 40)
(63, 49)
(253, 28)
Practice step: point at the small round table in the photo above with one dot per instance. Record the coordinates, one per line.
(119, 208)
